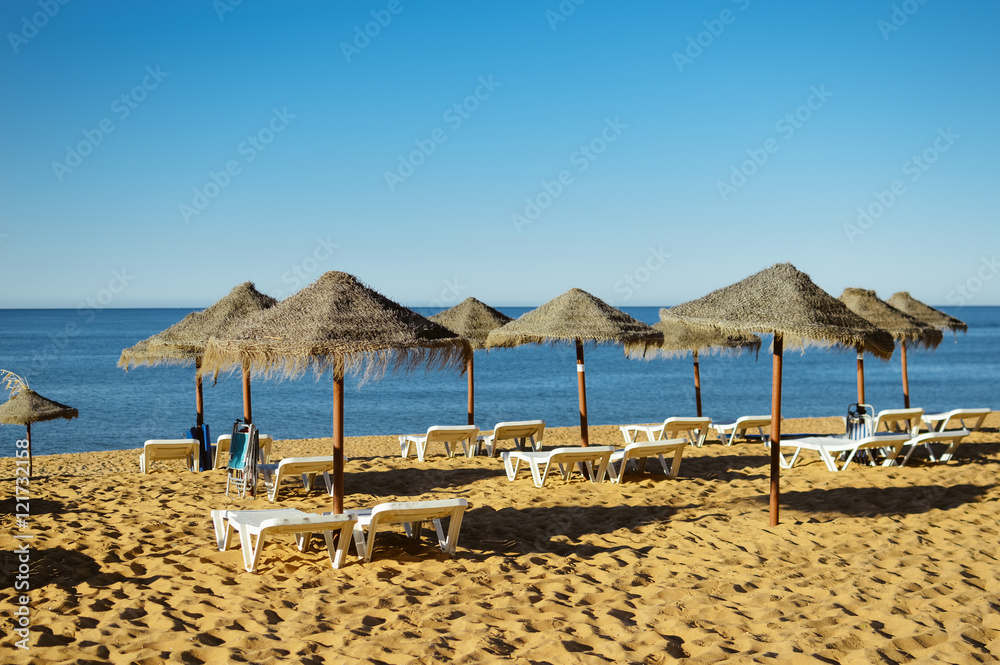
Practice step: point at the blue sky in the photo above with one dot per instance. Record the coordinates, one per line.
(156, 154)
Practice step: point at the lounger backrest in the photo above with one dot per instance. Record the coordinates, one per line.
(578, 453)
(416, 511)
(442, 433)
(673, 426)
(942, 437)
(519, 429)
(650, 448)
(971, 419)
(891, 420)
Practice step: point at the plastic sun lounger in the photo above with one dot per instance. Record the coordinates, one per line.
(639, 452)
(222, 444)
(731, 433)
(412, 515)
(164, 449)
(940, 422)
(308, 467)
(831, 447)
(899, 420)
(448, 435)
(564, 458)
(951, 439)
(518, 431)
(262, 524)
(669, 429)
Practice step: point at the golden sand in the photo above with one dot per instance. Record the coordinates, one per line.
(873, 565)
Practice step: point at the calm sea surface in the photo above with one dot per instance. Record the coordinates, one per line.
(72, 357)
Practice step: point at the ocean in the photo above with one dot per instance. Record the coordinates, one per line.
(71, 356)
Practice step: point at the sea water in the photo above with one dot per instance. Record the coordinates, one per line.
(71, 357)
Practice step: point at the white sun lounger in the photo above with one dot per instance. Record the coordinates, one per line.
(951, 439)
(164, 449)
(639, 452)
(222, 444)
(450, 436)
(412, 515)
(899, 420)
(261, 524)
(832, 447)
(541, 461)
(731, 433)
(695, 428)
(518, 431)
(940, 422)
(308, 467)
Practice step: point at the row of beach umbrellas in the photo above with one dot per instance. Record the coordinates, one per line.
(339, 325)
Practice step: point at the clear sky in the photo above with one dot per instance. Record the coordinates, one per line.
(158, 153)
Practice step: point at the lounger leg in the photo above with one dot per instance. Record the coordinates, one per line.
(404, 446)
(676, 467)
(338, 552)
(831, 463)
(308, 479)
(142, 462)
(450, 543)
(329, 482)
(511, 468)
(947, 454)
(359, 542)
(251, 554)
(421, 450)
(602, 470)
(413, 529)
(223, 530)
(537, 474)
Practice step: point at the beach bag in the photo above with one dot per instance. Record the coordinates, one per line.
(860, 421)
(200, 434)
(244, 450)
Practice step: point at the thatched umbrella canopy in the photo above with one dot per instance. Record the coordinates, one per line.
(26, 406)
(184, 342)
(579, 317)
(336, 324)
(902, 326)
(682, 336)
(473, 320)
(926, 314)
(784, 302)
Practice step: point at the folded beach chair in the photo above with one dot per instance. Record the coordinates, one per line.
(164, 449)
(518, 431)
(639, 452)
(450, 436)
(243, 458)
(940, 422)
(899, 420)
(696, 430)
(541, 461)
(221, 457)
(950, 439)
(412, 515)
(262, 524)
(307, 467)
(837, 452)
(737, 432)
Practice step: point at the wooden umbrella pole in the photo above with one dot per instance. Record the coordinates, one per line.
(776, 427)
(338, 444)
(199, 401)
(861, 377)
(906, 379)
(582, 387)
(29, 453)
(697, 384)
(247, 411)
(471, 409)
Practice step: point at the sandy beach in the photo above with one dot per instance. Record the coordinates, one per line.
(873, 565)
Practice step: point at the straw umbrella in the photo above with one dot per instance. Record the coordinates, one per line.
(473, 320)
(904, 302)
(336, 324)
(576, 316)
(184, 342)
(681, 336)
(902, 326)
(783, 301)
(26, 406)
